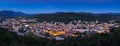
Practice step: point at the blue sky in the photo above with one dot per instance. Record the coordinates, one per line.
(51, 6)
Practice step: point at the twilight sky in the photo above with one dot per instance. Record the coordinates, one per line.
(50, 6)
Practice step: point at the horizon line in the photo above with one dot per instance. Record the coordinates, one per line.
(61, 12)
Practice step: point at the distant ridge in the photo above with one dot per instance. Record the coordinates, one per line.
(70, 16)
(10, 13)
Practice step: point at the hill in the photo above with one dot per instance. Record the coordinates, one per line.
(70, 16)
(9, 13)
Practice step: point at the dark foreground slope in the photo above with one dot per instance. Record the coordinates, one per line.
(11, 39)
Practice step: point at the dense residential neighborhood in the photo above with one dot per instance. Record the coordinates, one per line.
(57, 30)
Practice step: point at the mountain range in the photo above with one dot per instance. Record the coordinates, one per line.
(64, 16)
(10, 13)
(70, 16)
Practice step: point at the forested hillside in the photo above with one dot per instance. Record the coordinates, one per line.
(70, 16)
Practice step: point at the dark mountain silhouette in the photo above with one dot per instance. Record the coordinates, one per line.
(9, 13)
(65, 16)
(70, 16)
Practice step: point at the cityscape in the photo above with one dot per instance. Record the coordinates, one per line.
(56, 30)
(59, 23)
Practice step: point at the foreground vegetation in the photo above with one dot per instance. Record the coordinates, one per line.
(11, 39)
